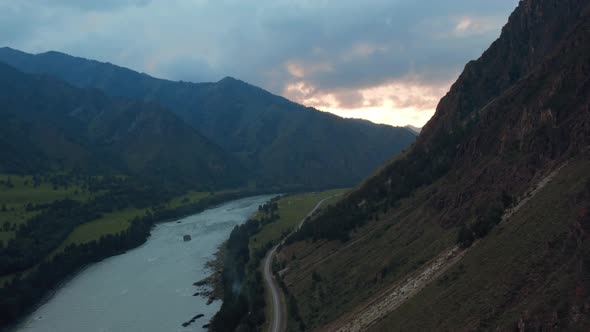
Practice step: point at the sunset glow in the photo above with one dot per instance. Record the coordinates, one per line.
(397, 103)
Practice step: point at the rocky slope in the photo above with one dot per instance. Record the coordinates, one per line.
(514, 115)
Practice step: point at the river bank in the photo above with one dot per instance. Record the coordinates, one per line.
(211, 287)
(163, 268)
(30, 289)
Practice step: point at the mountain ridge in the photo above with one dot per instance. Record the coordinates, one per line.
(93, 127)
(513, 116)
(279, 141)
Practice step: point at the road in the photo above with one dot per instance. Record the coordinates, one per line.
(278, 323)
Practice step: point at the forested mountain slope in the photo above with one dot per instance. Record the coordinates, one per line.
(50, 126)
(517, 114)
(280, 142)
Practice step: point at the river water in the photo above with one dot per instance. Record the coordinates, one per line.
(148, 288)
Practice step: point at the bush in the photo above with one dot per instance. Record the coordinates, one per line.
(465, 237)
(484, 225)
(480, 228)
(316, 276)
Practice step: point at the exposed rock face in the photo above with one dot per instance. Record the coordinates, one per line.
(533, 31)
(518, 110)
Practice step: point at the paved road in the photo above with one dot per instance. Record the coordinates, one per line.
(277, 323)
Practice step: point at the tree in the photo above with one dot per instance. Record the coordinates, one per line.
(507, 199)
(316, 276)
(3, 209)
(465, 237)
(484, 224)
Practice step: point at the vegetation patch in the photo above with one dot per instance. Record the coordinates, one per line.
(116, 213)
(531, 270)
(111, 223)
(243, 286)
(244, 294)
(291, 210)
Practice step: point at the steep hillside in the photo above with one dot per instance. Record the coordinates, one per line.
(515, 115)
(281, 142)
(50, 126)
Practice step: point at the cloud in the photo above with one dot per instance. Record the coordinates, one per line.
(328, 51)
(101, 5)
(399, 102)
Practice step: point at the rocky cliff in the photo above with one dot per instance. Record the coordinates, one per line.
(513, 131)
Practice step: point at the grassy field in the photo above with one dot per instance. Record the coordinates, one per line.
(292, 209)
(118, 221)
(110, 223)
(190, 197)
(349, 273)
(18, 191)
(21, 191)
(14, 198)
(194, 197)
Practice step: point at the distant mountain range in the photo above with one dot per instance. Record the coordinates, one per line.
(277, 142)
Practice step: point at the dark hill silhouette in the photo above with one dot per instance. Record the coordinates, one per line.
(280, 142)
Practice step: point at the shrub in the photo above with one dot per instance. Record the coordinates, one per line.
(316, 276)
(465, 237)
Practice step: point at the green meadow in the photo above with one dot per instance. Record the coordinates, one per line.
(292, 209)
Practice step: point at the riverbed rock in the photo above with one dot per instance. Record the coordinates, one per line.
(201, 282)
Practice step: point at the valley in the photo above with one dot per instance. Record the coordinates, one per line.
(138, 200)
(87, 176)
(118, 293)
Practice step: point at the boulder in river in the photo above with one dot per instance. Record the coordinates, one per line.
(186, 238)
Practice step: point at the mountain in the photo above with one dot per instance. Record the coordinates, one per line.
(280, 142)
(483, 223)
(416, 130)
(50, 126)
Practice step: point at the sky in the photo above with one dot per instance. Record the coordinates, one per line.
(388, 61)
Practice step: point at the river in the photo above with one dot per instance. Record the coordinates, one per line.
(148, 288)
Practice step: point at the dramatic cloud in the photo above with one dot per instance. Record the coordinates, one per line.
(385, 60)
